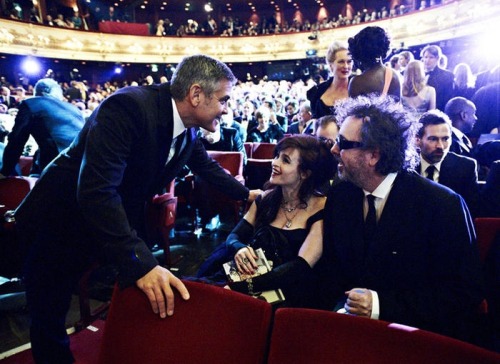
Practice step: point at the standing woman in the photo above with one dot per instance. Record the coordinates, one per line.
(417, 95)
(368, 49)
(323, 96)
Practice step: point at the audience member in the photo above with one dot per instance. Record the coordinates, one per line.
(286, 222)
(368, 49)
(440, 165)
(439, 78)
(276, 118)
(396, 246)
(464, 82)
(327, 128)
(405, 57)
(265, 132)
(323, 96)
(304, 117)
(247, 118)
(89, 203)
(6, 98)
(227, 121)
(52, 122)
(291, 110)
(487, 101)
(462, 114)
(417, 95)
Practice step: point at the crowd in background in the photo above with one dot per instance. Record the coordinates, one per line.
(227, 25)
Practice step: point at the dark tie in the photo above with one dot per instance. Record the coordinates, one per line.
(371, 220)
(430, 172)
(176, 145)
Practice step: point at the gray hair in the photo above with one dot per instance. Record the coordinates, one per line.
(48, 87)
(206, 71)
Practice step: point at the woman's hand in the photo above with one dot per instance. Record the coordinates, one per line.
(245, 260)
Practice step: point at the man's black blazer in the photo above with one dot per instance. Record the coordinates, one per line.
(460, 174)
(98, 187)
(442, 81)
(423, 264)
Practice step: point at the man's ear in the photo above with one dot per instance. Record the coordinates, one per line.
(194, 94)
(462, 115)
(374, 157)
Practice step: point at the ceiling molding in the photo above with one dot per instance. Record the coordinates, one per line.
(453, 20)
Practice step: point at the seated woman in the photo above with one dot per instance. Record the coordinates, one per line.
(265, 131)
(286, 221)
(368, 49)
(417, 95)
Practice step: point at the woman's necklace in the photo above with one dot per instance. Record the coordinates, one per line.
(288, 209)
(289, 220)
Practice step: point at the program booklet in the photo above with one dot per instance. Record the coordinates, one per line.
(264, 266)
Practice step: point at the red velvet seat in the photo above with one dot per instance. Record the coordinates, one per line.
(486, 230)
(259, 164)
(160, 220)
(214, 326)
(311, 336)
(232, 162)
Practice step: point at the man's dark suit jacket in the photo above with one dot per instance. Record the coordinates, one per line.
(460, 145)
(95, 192)
(442, 81)
(423, 263)
(52, 123)
(460, 174)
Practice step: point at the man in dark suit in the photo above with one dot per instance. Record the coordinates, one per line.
(462, 114)
(440, 79)
(397, 247)
(442, 166)
(52, 122)
(89, 203)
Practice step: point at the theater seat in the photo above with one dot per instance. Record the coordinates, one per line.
(214, 326)
(305, 336)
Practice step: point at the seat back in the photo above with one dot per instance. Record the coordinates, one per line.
(248, 148)
(14, 189)
(313, 336)
(25, 164)
(263, 150)
(230, 161)
(214, 326)
(486, 229)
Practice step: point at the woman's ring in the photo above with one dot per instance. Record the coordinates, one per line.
(245, 260)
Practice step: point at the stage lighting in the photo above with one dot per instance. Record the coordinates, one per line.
(31, 66)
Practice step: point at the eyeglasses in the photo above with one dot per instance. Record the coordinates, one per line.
(345, 144)
(223, 100)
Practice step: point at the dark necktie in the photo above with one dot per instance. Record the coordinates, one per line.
(176, 147)
(371, 220)
(430, 172)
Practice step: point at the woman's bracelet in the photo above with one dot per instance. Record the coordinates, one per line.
(250, 286)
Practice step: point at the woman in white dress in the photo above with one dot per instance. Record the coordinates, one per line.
(417, 95)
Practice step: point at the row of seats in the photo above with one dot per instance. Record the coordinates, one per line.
(221, 326)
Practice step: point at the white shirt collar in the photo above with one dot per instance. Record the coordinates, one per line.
(178, 124)
(424, 164)
(383, 189)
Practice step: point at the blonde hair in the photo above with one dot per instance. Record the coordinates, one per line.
(414, 79)
(333, 49)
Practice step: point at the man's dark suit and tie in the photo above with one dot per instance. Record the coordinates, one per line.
(440, 79)
(451, 170)
(89, 203)
(419, 265)
(462, 113)
(52, 122)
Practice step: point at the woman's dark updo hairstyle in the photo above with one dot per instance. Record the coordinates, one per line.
(315, 157)
(369, 47)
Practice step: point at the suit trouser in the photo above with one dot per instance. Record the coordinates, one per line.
(52, 270)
